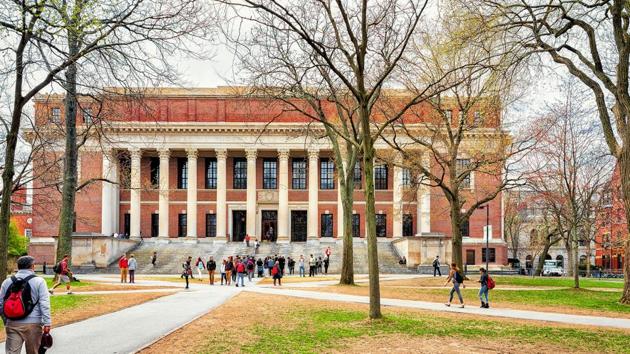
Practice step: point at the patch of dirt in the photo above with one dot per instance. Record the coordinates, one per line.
(110, 287)
(99, 305)
(443, 345)
(294, 279)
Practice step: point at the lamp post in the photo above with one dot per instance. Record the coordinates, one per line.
(487, 232)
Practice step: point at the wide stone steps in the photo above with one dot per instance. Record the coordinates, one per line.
(171, 254)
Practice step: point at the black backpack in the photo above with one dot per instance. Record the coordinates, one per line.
(57, 268)
(18, 303)
(459, 277)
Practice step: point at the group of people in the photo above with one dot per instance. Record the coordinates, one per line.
(127, 267)
(457, 278)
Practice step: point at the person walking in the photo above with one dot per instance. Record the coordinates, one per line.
(456, 276)
(28, 330)
(240, 270)
(260, 266)
(270, 263)
(250, 269)
(187, 270)
(123, 264)
(301, 265)
(63, 273)
(436, 266)
(211, 267)
(154, 258)
(291, 263)
(234, 261)
(483, 291)
(281, 262)
(276, 273)
(311, 266)
(326, 263)
(328, 252)
(200, 266)
(133, 265)
(223, 274)
(229, 266)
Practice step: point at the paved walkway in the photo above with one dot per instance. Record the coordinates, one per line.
(499, 312)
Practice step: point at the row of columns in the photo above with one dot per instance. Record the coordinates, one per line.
(110, 195)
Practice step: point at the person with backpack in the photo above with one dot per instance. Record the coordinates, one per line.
(277, 274)
(261, 269)
(436, 266)
(240, 272)
(25, 305)
(123, 264)
(456, 276)
(487, 283)
(133, 264)
(270, 263)
(63, 274)
(200, 266)
(211, 266)
(250, 269)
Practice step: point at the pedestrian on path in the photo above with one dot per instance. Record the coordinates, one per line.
(123, 264)
(200, 266)
(63, 274)
(211, 267)
(326, 263)
(311, 266)
(436, 266)
(328, 252)
(301, 265)
(223, 274)
(250, 269)
(483, 291)
(261, 269)
(154, 258)
(277, 274)
(456, 276)
(240, 270)
(270, 263)
(229, 266)
(187, 270)
(247, 239)
(234, 263)
(28, 330)
(281, 262)
(133, 264)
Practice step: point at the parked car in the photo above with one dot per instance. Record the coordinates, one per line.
(552, 268)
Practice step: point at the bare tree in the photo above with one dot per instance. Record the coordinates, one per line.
(513, 221)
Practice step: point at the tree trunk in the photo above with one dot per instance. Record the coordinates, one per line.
(67, 215)
(542, 257)
(456, 240)
(576, 260)
(347, 265)
(624, 172)
(568, 263)
(370, 216)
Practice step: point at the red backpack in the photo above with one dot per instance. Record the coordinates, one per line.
(18, 303)
(274, 270)
(491, 283)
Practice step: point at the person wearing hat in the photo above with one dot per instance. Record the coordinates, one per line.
(27, 331)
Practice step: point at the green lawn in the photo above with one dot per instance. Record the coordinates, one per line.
(62, 303)
(49, 283)
(313, 331)
(553, 281)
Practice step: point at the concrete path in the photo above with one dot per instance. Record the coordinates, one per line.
(432, 306)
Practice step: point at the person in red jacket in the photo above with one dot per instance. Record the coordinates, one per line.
(241, 271)
(63, 274)
(123, 264)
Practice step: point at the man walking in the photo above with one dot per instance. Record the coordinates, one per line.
(28, 330)
(211, 267)
(64, 275)
(311, 266)
(154, 258)
(123, 264)
(436, 266)
(133, 264)
(301, 265)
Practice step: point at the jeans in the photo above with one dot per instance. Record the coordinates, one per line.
(437, 269)
(483, 292)
(241, 278)
(132, 275)
(223, 276)
(455, 289)
(302, 271)
(250, 274)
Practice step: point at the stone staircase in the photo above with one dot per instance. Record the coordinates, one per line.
(172, 253)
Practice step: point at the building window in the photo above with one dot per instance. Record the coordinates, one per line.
(28, 233)
(380, 177)
(211, 225)
(491, 255)
(55, 115)
(358, 175)
(464, 228)
(298, 174)
(381, 225)
(407, 225)
(182, 173)
(462, 166)
(211, 173)
(240, 173)
(406, 177)
(182, 222)
(87, 116)
(327, 225)
(155, 171)
(270, 173)
(470, 257)
(356, 225)
(327, 174)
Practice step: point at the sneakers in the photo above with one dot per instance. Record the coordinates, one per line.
(69, 293)
(483, 305)
(448, 304)
(50, 291)
(461, 306)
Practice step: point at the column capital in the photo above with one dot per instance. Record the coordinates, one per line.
(221, 153)
(192, 153)
(313, 153)
(283, 154)
(135, 153)
(251, 154)
(164, 153)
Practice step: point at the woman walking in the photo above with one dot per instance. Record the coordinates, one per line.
(200, 267)
(483, 291)
(222, 270)
(187, 271)
(228, 271)
(457, 278)
(277, 274)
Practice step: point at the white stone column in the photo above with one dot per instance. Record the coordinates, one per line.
(251, 192)
(398, 198)
(283, 195)
(115, 195)
(134, 210)
(106, 194)
(221, 194)
(313, 191)
(165, 156)
(191, 195)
